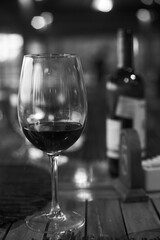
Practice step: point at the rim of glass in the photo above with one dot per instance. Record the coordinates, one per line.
(52, 55)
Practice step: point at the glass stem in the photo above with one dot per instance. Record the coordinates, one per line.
(55, 208)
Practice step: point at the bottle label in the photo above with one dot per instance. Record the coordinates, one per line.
(113, 137)
(131, 109)
(134, 109)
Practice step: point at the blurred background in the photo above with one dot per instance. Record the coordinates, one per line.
(89, 29)
(85, 27)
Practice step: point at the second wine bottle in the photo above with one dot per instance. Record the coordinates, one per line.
(125, 98)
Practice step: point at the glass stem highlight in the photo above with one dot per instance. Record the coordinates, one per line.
(55, 208)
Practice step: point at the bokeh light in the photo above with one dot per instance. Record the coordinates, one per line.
(102, 5)
(144, 15)
(38, 22)
(147, 2)
(10, 46)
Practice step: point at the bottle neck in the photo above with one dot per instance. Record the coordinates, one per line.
(125, 49)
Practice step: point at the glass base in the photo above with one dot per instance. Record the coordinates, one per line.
(58, 224)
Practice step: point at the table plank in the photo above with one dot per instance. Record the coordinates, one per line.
(110, 216)
(140, 216)
(92, 224)
(156, 203)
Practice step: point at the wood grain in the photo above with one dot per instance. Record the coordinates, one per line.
(110, 217)
(139, 216)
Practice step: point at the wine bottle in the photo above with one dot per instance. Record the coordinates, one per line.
(125, 99)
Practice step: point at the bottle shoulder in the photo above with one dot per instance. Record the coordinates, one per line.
(126, 76)
(127, 82)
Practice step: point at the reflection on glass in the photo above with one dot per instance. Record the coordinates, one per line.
(24, 150)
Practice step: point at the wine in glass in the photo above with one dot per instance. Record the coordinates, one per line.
(52, 110)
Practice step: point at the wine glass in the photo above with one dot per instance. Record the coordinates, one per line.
(52, 110)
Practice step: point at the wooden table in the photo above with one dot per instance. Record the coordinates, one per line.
(25, 188)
